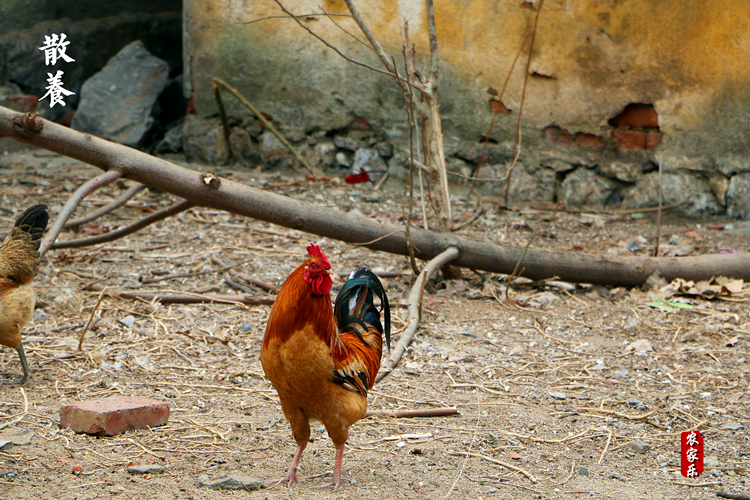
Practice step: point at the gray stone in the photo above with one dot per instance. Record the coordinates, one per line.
(385, 149)
(5, 445)
(145, 469)
(716, 473)
(19, 436)
(524, 186)
(235, 482)
(342, 160)
(639, 446)
(621, 373)
(583, 471)
(620, 170)
(637, 404)
(242, 147)
(558, 395)
(558, 165)
(677, 187)
(373, 197)
(738, 196)
(172, 141)
(732, 426)
(712, 461)
(584, 187)
(730, 165)
(347, 143)
(246, 327)
(22, 62)
(202, 140)
(128, 321)
(369, 160)
(719, 185)
(117, 102)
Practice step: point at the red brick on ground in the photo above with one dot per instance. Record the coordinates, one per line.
(111, 416)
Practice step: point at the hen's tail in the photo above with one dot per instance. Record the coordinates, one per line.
(34, 221)
(355, 310)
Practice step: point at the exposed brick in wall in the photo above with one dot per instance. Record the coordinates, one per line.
(636, 128)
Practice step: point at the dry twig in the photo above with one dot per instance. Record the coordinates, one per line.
(415, 309)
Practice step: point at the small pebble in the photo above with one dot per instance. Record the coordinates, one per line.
(732, 426)
(711, 461)
(583, 471)
(637, 404)
(621, 373)
(145, 469)
(128, 321)
(558, 395)
(639, 446)
(246, 328)
(716, 473)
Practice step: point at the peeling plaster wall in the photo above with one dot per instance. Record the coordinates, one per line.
(690, 59)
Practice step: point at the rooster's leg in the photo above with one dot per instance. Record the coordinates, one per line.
(336, 470)
(291, 475)
(24, 364)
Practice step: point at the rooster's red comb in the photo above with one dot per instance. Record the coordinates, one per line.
(315, 251)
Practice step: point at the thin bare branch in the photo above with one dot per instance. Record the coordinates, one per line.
(303, 16)
(185, 298)
(122, 232)
(265, 122)
(125, 197)
(415, 309)
(384, 59)
(432, 34)
(658, 216)
(515, 151)
(346, 31)
(86, 189)
(496, 111)
(224, 121)
(325, 42)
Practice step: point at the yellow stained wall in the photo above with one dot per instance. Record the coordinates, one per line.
(689, 58)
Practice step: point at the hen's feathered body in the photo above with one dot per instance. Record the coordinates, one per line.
(19, 260)
(322, 362)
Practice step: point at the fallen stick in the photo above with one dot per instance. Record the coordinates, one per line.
(117, 203)
(184, 299)
(222, 194)
(415, 310)
(86, 189)
(427, 412)
(178, 207)
(498, 462)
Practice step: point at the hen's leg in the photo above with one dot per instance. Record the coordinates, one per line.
(336, 470)
(291, 475)
(24, 364)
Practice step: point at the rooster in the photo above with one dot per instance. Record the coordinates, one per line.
(19, 259)
(321, 360)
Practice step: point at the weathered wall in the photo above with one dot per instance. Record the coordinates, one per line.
(689, 59)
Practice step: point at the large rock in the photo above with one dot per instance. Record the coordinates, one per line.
(117, 102)
(584, 187)
(677, 187)
(525, 186)
(93, 42)
(738, 196)
(202, 140)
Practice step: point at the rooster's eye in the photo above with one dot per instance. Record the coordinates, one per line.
(312, 265)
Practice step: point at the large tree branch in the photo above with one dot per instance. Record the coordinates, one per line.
(226, 195)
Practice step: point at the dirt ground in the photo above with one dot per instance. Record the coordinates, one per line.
(542, 379)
